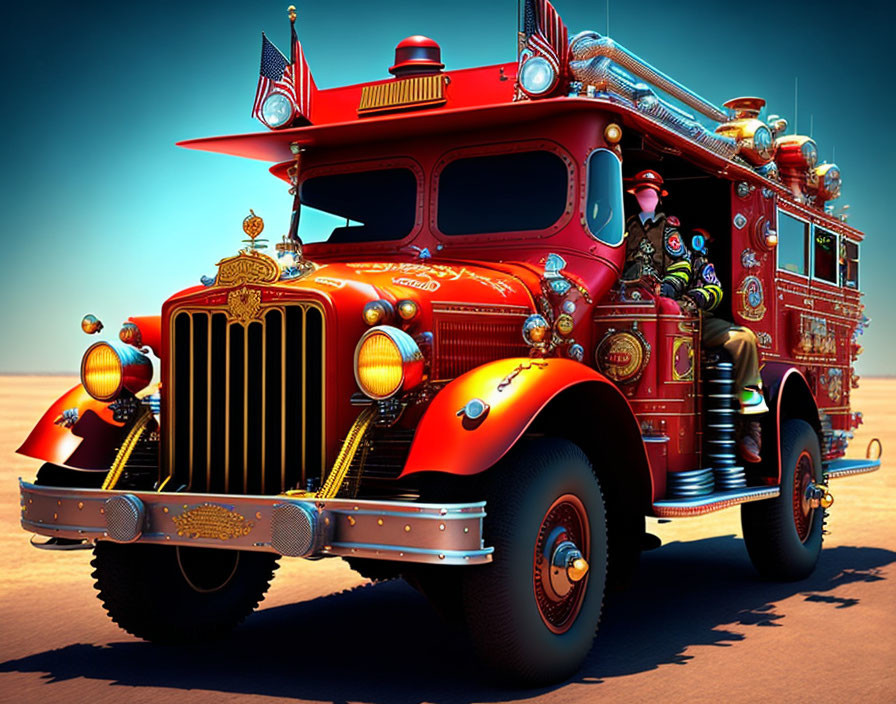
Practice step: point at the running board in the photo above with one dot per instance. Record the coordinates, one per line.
(836, 469)
(681, 508)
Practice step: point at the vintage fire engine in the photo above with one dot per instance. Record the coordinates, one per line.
(454, 387)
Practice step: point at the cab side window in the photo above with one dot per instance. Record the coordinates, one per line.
(826, 256)
(849, 264)
(604, 209)
(793, 244)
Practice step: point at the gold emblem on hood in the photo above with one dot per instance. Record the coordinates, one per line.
(247, 267)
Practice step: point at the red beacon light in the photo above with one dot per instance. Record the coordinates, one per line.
(417, 56)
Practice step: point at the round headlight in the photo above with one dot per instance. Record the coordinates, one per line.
(387, 360)
(109, 368)
(277, 110)
(537, 76)
(763, 142)
(810, 153)
(536, 330)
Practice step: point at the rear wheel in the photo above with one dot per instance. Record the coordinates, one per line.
(784, 535)
(172, 594)
(532, 613)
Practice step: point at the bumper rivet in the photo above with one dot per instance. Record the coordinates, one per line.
(407, 528)
(441, 526)
(379, 521)
(351, 520)
(80, 505)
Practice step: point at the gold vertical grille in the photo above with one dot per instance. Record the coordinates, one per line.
(245, 405)
(418, 91)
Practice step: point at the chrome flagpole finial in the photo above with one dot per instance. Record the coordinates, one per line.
(292, 13)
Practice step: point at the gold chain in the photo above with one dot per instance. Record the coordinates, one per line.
(127, 448)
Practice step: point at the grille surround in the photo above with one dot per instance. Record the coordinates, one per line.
(245, 408)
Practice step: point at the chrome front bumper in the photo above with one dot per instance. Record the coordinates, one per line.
(448, 534)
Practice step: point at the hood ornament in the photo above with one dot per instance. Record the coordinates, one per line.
(252, 266)
(253, 226)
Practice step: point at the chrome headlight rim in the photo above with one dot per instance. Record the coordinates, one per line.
(534, 64)
(280, 104)
(409, 353)
(135, 370)
(809, 153)
(763, 143)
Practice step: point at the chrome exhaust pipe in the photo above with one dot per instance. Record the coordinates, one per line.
(587, 45)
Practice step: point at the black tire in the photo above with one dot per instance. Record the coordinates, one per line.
(783, 535)
(505, 614)
(172, 594)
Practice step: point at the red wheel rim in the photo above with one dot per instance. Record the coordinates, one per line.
(565, 520)
(803, 476)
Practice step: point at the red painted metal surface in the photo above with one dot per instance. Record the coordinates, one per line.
(86, 445)
(516, 390)
(150, 331)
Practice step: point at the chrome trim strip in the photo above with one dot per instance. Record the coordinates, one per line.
(444, 534)
(681, 508)
(837, 469)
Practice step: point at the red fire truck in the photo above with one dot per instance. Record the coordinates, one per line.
(454, 387)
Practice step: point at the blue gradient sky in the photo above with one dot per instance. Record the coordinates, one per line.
(103, 214)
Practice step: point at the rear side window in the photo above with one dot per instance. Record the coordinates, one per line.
(793, 244)
(826, 256)
(604, 210)
(849, 264)
(502, 193)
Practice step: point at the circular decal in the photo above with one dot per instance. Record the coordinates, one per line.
(674, 245)
(622, 356)
(752, 299)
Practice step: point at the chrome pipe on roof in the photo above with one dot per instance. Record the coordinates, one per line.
(604, 76)
(587, 45)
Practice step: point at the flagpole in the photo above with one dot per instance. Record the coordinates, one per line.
(296, 148)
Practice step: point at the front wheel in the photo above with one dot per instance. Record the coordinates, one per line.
(175, 594)
(532, 614)
(784, 535)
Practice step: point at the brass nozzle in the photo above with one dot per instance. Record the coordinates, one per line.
(577, 570)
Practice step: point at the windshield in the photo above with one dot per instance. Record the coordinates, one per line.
(365, 206)
(516, 192)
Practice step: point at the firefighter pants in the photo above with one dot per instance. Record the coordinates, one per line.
(740, 343)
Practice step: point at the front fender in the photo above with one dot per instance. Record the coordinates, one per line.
(516, 390)
(88, 444)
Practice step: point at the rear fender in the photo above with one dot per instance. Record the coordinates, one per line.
(90, 443)
(789, 396)
(559, 397)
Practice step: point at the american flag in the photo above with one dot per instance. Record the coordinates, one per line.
(545, 34)
(275, 74)
(304, 83)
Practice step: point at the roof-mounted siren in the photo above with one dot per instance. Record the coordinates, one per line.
(797, 156)
(417, 56)
(755, 142)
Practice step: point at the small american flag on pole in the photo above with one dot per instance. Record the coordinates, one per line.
(304, 83)
(275, 75)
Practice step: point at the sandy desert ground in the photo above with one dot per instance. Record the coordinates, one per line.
(699, 626)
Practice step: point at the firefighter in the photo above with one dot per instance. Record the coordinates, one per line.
(705, 292)
(655, 248)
